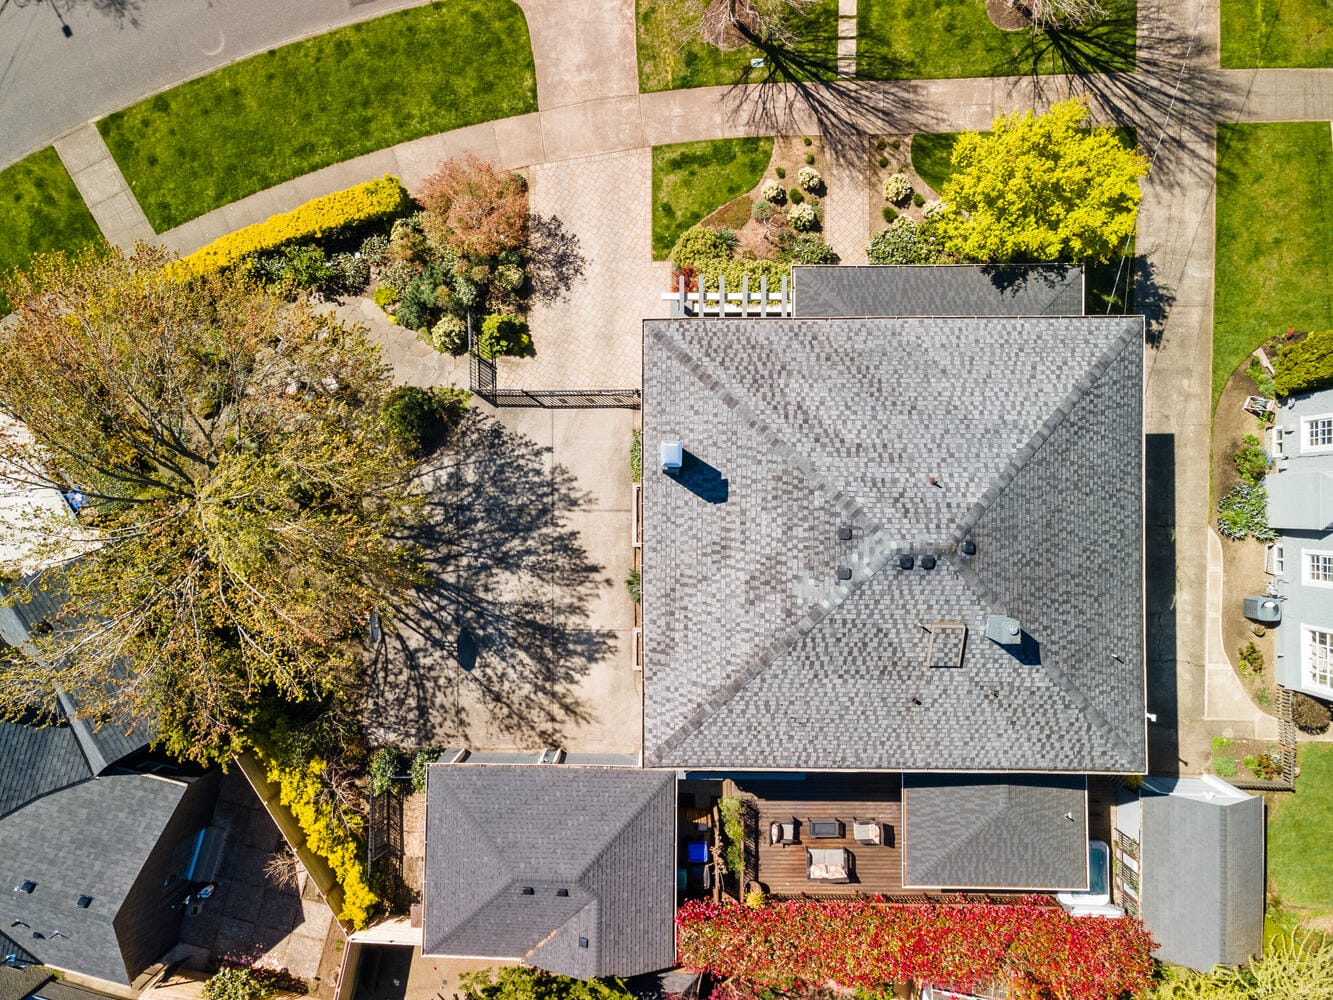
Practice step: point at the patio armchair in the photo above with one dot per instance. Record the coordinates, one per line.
(828, 864)
(782, 832)
(867, 831)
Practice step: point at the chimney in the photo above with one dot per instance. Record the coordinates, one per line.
(1004, 630)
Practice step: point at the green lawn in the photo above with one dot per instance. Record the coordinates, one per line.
(1274, 265)
(1277, 33)
(1298, 862)
(40, 210)
(669, 62)
(691, 179)
(932, 153)
(304, 106)
(928, 39)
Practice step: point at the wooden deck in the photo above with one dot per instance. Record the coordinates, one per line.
(877, 869)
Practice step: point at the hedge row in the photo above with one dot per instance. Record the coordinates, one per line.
(1305, 365)
(374, 201)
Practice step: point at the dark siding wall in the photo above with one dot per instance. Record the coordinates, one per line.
(147, 927)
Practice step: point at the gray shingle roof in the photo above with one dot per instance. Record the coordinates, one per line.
(605, 835)
(1202, 884)
(93, 839)
(757, 656)
(934, 290)
(973, 831)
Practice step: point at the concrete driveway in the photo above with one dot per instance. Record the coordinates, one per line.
(526, 640)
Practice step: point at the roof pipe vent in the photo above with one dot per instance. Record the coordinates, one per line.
(844, 573)
(927, 562)
(671, 455)
(844, 534)
(906, 562)
(1004, 630)
(969, 547)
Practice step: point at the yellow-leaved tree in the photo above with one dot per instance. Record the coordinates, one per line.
(1040, 188)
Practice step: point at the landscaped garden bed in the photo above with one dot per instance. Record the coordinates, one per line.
(932, 39)
(674, 54)
(761, 231)
(304, 106)
(40, 211)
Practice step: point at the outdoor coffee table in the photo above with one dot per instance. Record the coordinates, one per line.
(823, 829)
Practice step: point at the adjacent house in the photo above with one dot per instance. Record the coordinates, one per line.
(567, 868)
(1300, 510)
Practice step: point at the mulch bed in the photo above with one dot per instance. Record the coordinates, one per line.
(1005, 17)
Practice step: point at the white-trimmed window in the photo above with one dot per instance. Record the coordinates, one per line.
(1275, 445)
(1275, 563)
(1317, 569)
(1317, 657)
(1317, 433)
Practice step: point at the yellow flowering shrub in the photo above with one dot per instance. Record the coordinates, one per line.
(333, 838)
(370, 202)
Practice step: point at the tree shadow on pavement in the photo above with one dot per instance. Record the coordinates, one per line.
(123, 12)
(555, 259)
(498, 641)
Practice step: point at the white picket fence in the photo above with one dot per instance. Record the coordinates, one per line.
(745, 301)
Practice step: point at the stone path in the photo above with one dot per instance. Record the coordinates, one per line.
(846, 38)
(847, 206)
(591, 337)
(103, 187)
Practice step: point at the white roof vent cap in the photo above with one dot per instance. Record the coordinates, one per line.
(672, 454)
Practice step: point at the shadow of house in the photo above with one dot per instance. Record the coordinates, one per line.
(501, 629)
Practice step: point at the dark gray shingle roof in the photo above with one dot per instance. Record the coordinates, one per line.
(757, 656)
(1202, 880)
(958, 290)
(605, 835)
(93, 839)
(974, 831)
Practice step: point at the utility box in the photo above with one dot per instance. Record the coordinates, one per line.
(1267, 610)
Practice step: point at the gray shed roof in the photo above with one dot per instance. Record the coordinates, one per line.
(975, 831)
(1202, 879)
(92, 839)
(605, 836)
(756, 653)
(935, 290)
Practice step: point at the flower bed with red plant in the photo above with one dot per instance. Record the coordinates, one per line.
(1037, 949)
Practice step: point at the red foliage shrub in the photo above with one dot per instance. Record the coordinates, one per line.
(474, 207)
(1039, 949)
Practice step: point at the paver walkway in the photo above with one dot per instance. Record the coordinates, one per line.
(103, 187)
(847, 206)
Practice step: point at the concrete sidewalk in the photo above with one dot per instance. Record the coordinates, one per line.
(103, 188)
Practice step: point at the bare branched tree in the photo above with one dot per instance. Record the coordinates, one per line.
(729, 24)
(283, 868)
(1048, 14)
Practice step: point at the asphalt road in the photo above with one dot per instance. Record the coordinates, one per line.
(120, 51)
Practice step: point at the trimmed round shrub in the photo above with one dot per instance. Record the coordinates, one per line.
(796, 196)
(503, 333)
(237, 984)
(772, 193)
(880, 143)
(897, 189)
(509, 277)
(449, 335)
(699, 246)
(416, 420)
(807, 140)
(761, 211)
(810, 180)
(883, 162)
(809, 157)
(351, 272)
(810, 249)
(904, 242)
(385, 296)
(417, 303)
(375, 249)
(780, 171)
(889, 212)
(1309, 714)
(802, 218)
(918, 199)
(896, 143)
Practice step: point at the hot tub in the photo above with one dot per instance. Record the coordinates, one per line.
(1097, 897)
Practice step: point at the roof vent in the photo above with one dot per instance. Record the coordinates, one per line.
(1004, 630)
(672, 454)
(562, 892)
(969, 548)
(84, 902)
(844, 534)
(844, 572)
(528, 890)
(583, 942)
(906, 562)
(927, 562)
(27, 886)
